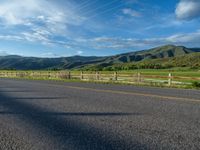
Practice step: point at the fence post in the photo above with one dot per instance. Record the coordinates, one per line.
(81, 76)
(69, 75)
(170, 79)
(115, 76)
(49, 74)
(139, 77)
(97, 75)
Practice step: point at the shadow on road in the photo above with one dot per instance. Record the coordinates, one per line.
(17, 91)
(39, 98)
(67, 130)
(68, 114)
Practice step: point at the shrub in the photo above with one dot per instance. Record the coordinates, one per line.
(196, 84)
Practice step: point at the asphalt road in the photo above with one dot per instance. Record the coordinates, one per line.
(50, 115)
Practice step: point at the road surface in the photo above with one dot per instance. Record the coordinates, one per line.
(50, 115)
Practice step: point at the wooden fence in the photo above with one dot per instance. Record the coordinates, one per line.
(132, 78)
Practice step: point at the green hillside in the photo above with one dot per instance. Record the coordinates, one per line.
(191, 61)
(33, 63)
(159, 52)
(160, 57)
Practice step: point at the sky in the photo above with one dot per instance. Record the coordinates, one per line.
(62, 28)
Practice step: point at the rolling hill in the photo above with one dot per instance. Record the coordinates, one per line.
(33, 63)
(159, 55)
(191, 61)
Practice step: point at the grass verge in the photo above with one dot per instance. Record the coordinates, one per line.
(194, 85)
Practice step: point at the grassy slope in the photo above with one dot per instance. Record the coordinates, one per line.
(191, 61)
(159, 55)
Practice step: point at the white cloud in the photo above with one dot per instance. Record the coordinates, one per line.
(11, 37)
(113, 43)
(188, 9)
(4, 53)
(36, 37)
(79, 52)
(49, 55)
(189, 39)
(131, 12)
(37, 20)
(14, 12)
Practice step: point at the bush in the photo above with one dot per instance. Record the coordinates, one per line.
(196, 84)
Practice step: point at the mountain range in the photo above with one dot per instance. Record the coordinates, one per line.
(163, 56)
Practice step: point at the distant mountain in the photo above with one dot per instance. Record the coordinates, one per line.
(191, 60)
(33, 63)
(81, 62)
(159, 52)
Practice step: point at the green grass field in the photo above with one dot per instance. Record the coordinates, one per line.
(181, 76)
(159, 72)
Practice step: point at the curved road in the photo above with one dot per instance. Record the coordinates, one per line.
(45, 115)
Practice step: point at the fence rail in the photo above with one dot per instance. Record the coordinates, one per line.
(138, 78)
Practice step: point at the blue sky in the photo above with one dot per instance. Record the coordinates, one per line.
(55, 28)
